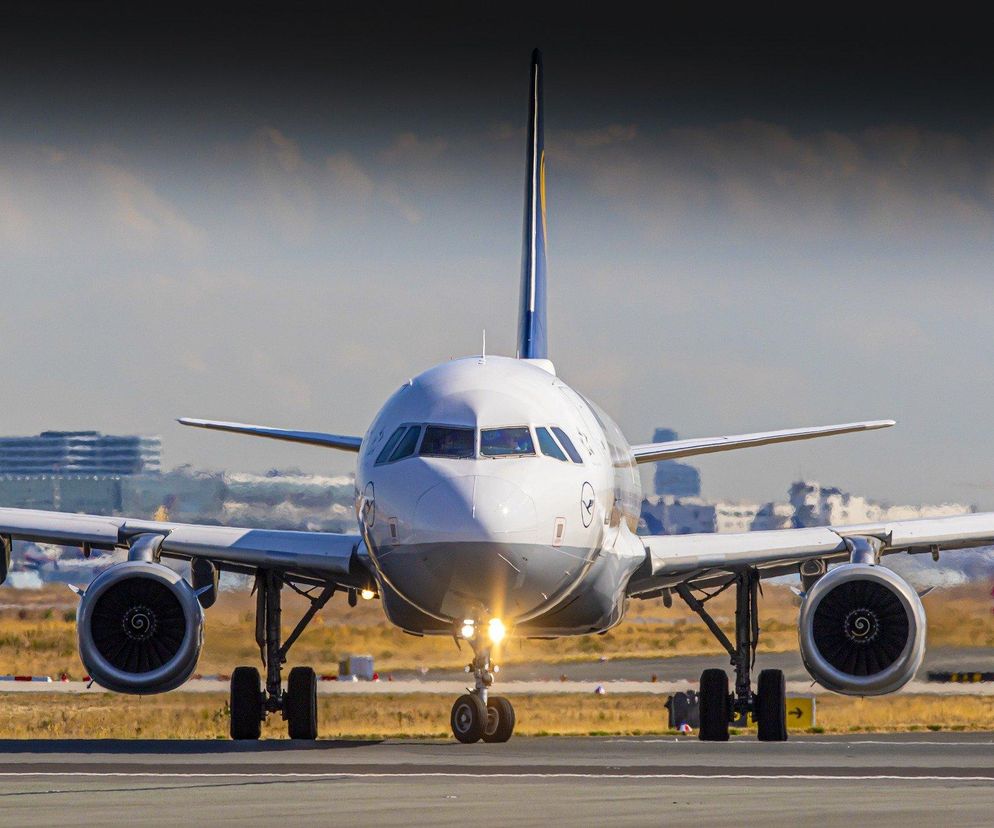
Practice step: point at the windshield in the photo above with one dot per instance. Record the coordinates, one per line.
(567, 444)
(445, 441)
(506, 442)
(548, 445)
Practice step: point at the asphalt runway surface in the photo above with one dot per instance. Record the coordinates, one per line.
(938, 779)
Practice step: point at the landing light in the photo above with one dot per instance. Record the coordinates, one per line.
(496, 630)
(367, 594)
(468, 629)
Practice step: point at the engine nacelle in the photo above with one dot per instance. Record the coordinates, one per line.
(862, 630)
(140, 628)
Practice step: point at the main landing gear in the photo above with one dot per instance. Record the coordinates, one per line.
(477, 715)
(251, 703)
(718, 707)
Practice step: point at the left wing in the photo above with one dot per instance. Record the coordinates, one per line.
(673, 559)
(651, 452)
(322, 554)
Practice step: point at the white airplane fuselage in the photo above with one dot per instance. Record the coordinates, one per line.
(531, 537)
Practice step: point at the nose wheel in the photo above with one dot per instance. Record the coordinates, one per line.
(469, 718)
(500, 720)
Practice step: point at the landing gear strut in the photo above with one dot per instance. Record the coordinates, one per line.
(718, 707)
(477, 714)
(250, 702)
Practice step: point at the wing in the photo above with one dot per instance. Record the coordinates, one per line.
(674, 559)
(313, 438)
(317, 554)
(651, 452)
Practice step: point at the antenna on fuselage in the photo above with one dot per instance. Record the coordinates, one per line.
(483, 355)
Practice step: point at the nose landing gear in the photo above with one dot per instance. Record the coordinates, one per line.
(477, 715)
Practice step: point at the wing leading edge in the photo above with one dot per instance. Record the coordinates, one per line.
(321, 553)
(313, 438)
(651, 452)
(680, 558)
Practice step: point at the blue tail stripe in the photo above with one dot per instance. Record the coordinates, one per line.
(532, 324)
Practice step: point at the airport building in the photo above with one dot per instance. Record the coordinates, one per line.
(79, 453)
(73, 471)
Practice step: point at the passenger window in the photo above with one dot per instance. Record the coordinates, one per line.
(444, 441)
(506, 442)
(567, 444)
(405, 448)
(391, 445)
(550, 448)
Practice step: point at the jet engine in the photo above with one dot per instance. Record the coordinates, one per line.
(140, 628)
(862, 630)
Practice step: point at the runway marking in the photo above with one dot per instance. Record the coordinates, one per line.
(802, 777)
(794, 742)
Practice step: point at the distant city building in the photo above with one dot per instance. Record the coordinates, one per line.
(773, 516)
(671, 477)
(79, 453)
(817, 505)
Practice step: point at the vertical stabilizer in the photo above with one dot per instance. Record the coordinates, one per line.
(532, 325)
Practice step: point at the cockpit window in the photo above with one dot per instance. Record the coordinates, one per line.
(405, 448)
(391, 444)
(546, 442)
(506, 442)
(567, 444)
(446, 441)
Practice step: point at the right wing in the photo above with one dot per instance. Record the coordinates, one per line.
(313, 438)
(318, 554)
(651, 452)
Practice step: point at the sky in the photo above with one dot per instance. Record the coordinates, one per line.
(277, 214)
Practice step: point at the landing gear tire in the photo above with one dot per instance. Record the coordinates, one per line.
(246, 703)
(714, 706)
(771, 706)
(500, 720)
(469, 718)
(301, 704)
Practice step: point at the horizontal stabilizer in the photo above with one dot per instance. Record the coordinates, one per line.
(651, 452)
(313, 438)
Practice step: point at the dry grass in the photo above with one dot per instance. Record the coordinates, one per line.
(37, 634)
(204, 715)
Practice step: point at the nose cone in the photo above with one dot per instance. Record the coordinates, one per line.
(475, 508)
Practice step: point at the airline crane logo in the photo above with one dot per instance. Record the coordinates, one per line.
(587, 505)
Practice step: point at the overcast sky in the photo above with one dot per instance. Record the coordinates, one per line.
(274, 217)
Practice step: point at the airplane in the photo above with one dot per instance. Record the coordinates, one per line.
(494, 500)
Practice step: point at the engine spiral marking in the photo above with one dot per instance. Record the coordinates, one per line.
(861, 626)
(139, 623)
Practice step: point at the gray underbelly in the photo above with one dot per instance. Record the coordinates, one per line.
(452, 581)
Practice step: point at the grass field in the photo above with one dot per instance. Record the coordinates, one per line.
(204, 715)
(37, 633)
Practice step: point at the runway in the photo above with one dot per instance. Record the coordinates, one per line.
(892, 780)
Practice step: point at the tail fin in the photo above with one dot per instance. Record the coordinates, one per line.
(532, 326)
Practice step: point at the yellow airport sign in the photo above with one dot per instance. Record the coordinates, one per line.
(800, 713)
